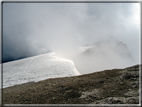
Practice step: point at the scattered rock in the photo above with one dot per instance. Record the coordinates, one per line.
(132, 100)
(131, 93)
(93, 93)
(116, 86)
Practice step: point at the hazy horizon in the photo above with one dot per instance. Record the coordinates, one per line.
(31, 29)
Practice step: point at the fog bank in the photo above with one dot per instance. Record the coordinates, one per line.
(35, 28)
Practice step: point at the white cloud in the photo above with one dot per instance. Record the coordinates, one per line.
(35, 28)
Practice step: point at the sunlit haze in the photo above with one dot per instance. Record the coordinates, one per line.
(95, 36)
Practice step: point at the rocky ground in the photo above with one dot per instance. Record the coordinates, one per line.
(116, 86)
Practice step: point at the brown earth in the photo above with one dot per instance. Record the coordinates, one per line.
(116, 86)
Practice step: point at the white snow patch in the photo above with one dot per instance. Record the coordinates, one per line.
(82, 49)
(37, 68)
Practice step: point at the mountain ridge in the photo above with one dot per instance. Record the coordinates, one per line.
(37, 68)
(116, 86)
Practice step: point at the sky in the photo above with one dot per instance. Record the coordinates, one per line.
(35, 28)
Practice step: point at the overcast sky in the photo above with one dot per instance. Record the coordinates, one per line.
(35, 28)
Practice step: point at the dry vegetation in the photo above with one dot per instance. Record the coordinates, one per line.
(117, 86)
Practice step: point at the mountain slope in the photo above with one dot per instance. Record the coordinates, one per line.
(116, 86)
(107, 54)
(37, 68)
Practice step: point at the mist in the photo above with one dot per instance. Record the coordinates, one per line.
(95, 36)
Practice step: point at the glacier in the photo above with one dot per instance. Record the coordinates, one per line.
(37, 68)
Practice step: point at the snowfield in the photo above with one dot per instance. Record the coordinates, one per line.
(37, 68)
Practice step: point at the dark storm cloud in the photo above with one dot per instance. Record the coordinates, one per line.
(36, 28)
(14, 31)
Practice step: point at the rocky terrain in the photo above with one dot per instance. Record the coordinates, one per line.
(116, 86)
